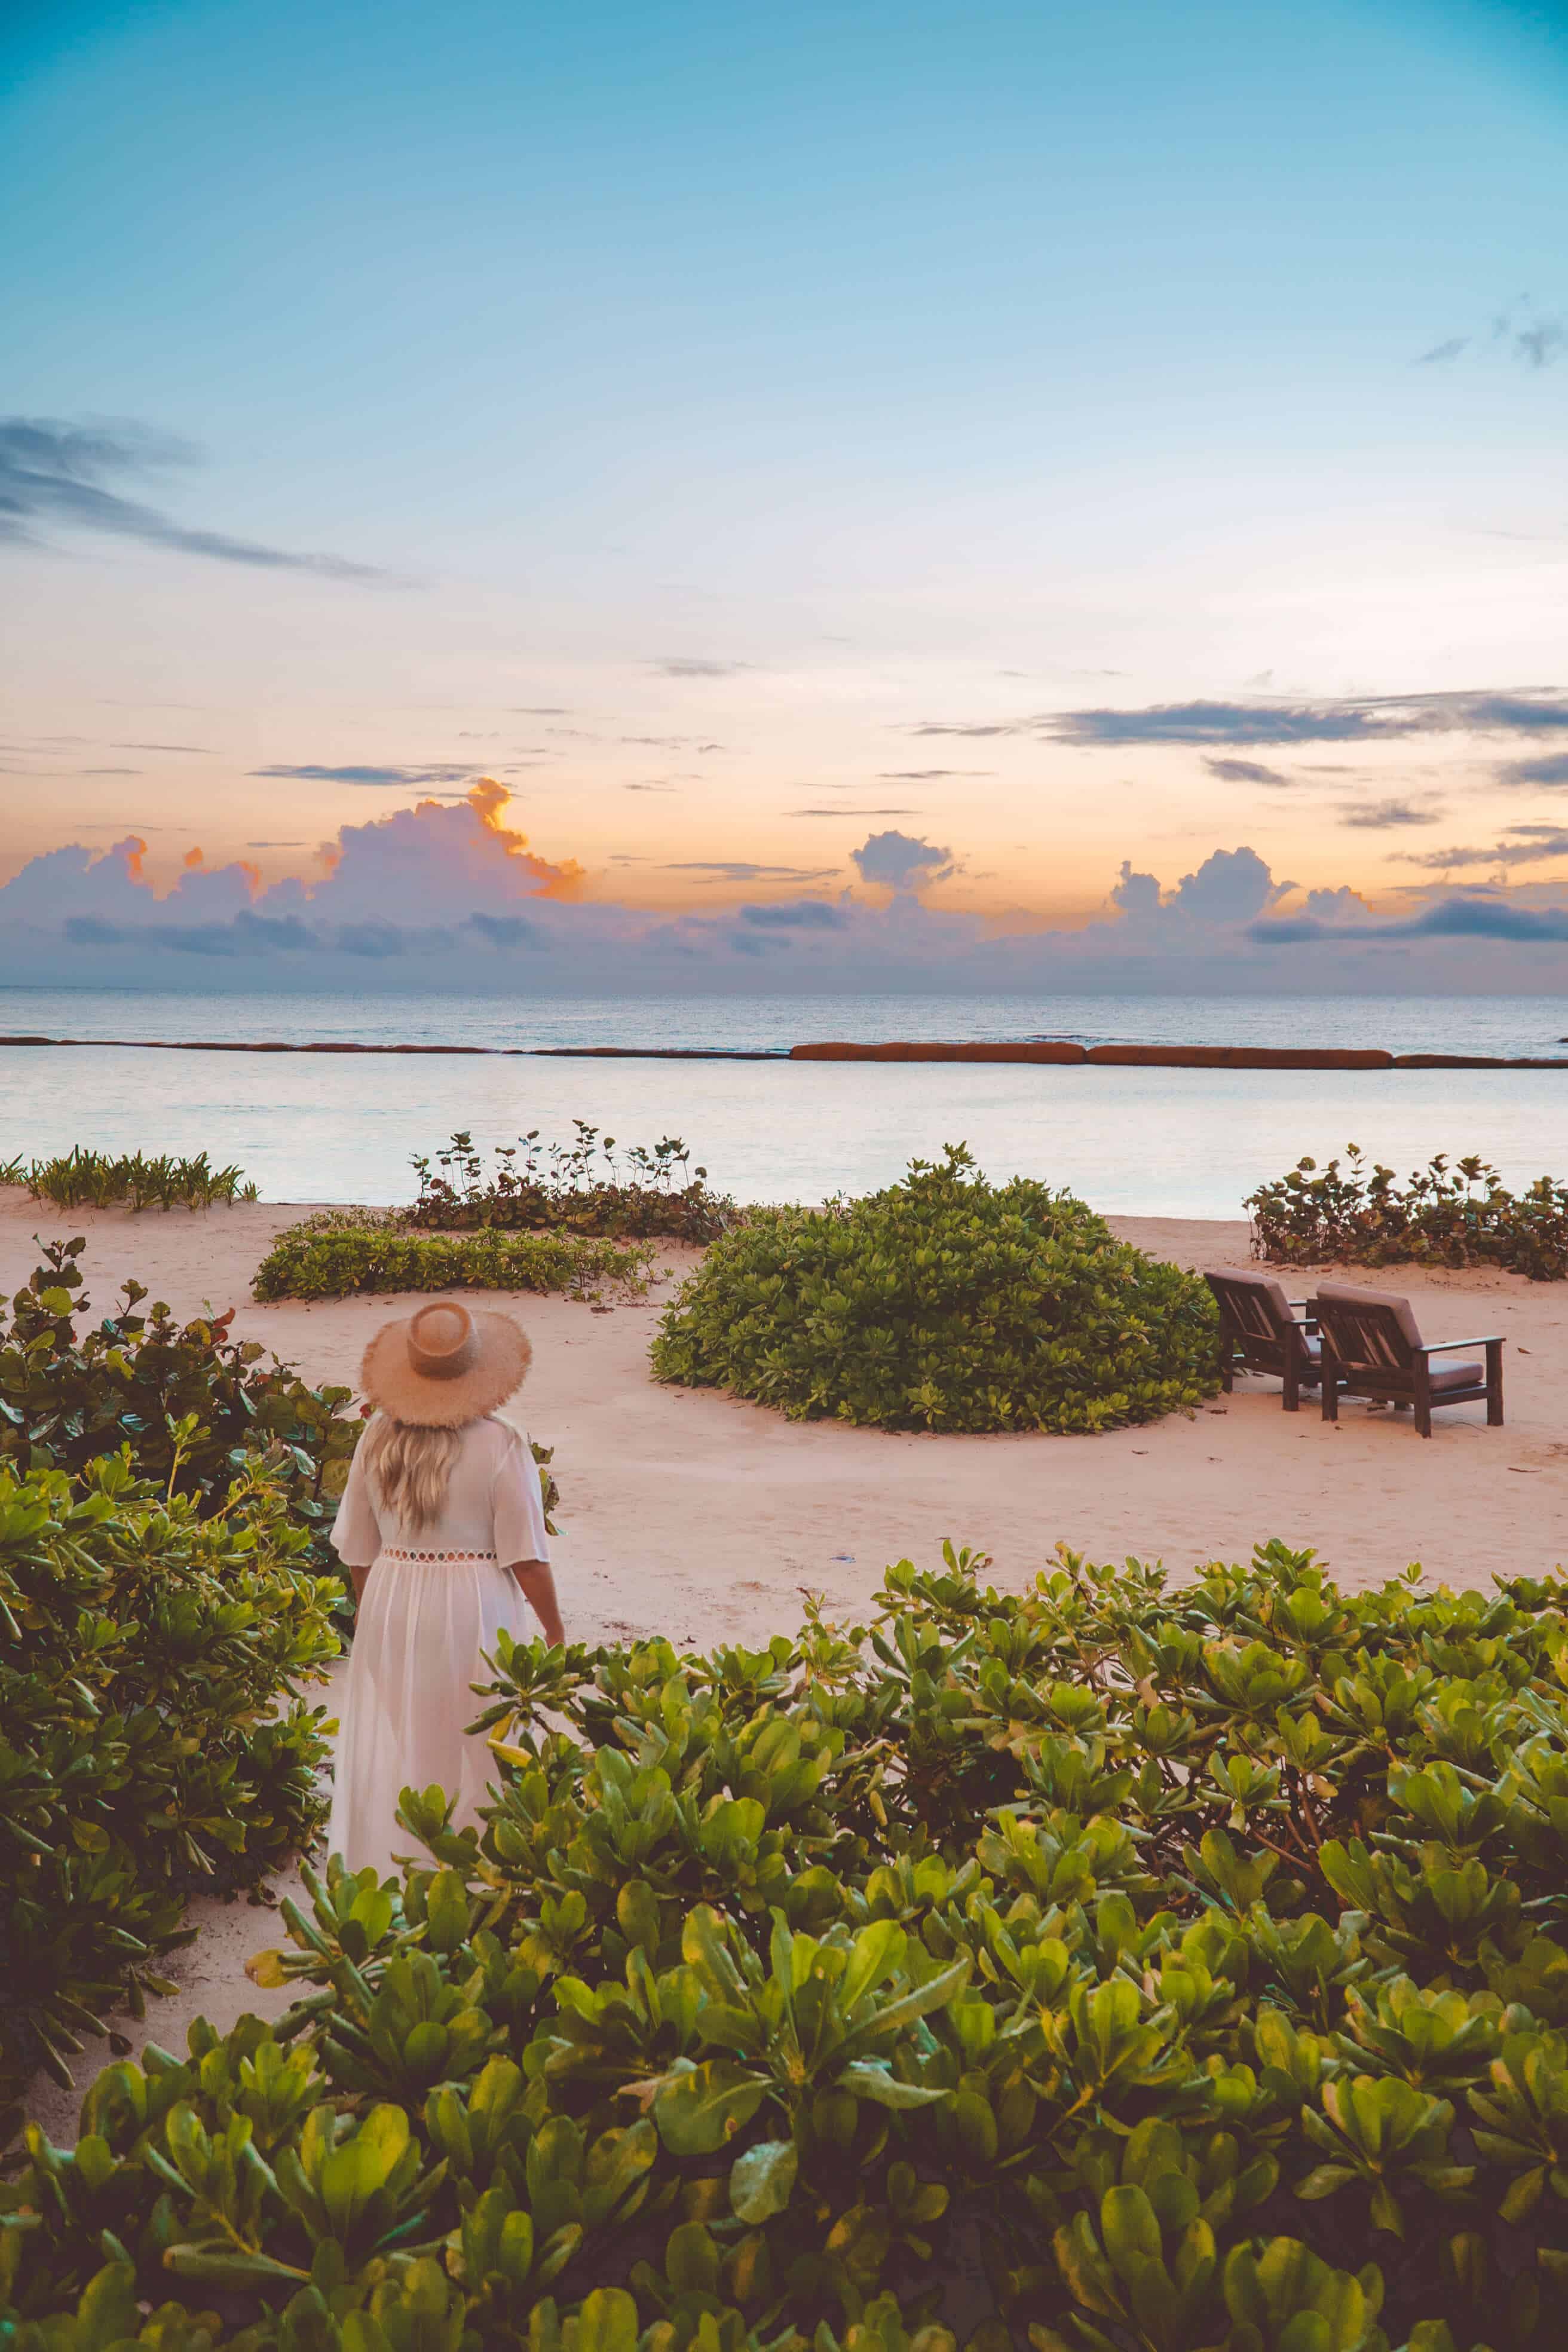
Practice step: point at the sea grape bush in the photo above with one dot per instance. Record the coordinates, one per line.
(1453, 1214)
(338, 1252)
(1112, 1966)
(943, 1303)
(651, 1194)
(154, 1737)
(195, 1405)
(84, 1178)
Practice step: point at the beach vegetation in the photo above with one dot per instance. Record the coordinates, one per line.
(84, 1178)
(1118, 1964)
(1452, 1212)
(591, 1186)
(155, 1739)
(341, 1252)
(944, 1302)
(196, 1407)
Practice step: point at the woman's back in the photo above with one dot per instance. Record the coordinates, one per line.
(491, 1505)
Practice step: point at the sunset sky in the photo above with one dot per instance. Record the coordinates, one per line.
(853, 455)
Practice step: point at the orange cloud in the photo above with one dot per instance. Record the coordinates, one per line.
(486, 798)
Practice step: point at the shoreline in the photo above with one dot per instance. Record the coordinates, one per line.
(1055, 1053)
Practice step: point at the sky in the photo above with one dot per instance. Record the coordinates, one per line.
(1014, 491)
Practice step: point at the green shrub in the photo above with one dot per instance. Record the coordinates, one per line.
(944, 1302)
(1168, 1969)
(333, 1255)
(195, 1405)
(1453, 1215)
(579, 1188)
(84, 1178)
(152, 1741)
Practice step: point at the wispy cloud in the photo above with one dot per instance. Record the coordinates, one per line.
(852, 812)
(1551, 771)
(54, 473)
(740, 869)
(1342, 718)
(205, 748)
(927, 776)
(1383, 816)
(397, 778)
(1451, 918)
(697, 665)
(1523, 844)
(1244, 771)
(796, 915)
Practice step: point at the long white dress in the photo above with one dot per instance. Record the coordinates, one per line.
(437, 1597)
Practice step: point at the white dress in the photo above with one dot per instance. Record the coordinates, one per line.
(436, 1601)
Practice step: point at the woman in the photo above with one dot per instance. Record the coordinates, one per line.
(442, 1528)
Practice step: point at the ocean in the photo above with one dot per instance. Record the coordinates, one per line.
(1156, 1142)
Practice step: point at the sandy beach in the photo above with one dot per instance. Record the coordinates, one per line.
(691, 1515)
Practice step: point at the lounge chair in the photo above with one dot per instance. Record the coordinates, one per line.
(1259, 1332)
(1372, 1347)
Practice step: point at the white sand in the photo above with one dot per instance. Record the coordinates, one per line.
(693, 1515)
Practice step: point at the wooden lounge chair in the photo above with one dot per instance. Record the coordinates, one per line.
(1259, 1332)
(1372, 1347)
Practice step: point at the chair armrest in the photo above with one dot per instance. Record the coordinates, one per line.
(1444, 1347)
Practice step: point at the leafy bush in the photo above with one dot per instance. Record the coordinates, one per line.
(944, 1302)
(1458, 1214)
(152, 1738)
(333, 1255)
(84, 1178)
(1165, 1968)
(195, 1406)
(578, 1188)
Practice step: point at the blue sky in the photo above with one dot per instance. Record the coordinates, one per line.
(683, 411)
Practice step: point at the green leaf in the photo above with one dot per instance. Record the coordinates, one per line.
(699, 2110)
(761, 2180)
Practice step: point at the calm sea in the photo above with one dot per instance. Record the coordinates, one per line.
(1166, 1143)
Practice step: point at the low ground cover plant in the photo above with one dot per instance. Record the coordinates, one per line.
(84, 1178)
(1451, 1213)
(1115, 1966)
(155, 1737)
(341, 1252)
(944, 1302)
(647, 1193)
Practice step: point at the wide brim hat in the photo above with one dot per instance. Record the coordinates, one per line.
(445, 1364)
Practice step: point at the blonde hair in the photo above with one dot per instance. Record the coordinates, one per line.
(410, 1466)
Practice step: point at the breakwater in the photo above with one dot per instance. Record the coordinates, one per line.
(1055, 1051)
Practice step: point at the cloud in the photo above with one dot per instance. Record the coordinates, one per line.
(897, 862)
(693, 666)
(927, 776)
(53, 472)
(1540, 344)
(397, 778)
(449, 894)
(1550, 771)
(852, 812)
(207, 748)
(1231, 885)
(1346, 719)
(1440, 353)
(740, 869)
(1244, 771)
(1381, 816)
(1526, 845)
(1450, 919)
(990, 727)
(797, 915)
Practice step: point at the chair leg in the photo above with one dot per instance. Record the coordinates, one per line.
(1228, 1378)
(1292, 1398)
(1494, 1384)
(1423, 1402)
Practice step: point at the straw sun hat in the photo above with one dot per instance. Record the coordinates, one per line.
(443, 1365)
